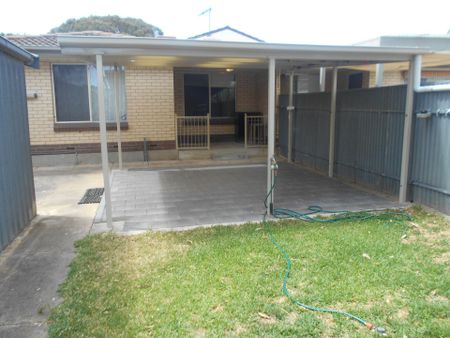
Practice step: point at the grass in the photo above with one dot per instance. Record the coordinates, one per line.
(227, 281)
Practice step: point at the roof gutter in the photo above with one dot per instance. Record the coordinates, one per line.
(21, 54)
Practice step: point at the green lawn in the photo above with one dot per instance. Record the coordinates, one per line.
(227, 281)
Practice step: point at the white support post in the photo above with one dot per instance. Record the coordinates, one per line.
(270, 129)
(117, 113)
(103, 139)
(407, 130)
(379, 75)
(332, 123)
(322, 78)
(290, 110)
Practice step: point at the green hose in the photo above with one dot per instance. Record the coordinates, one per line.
(341, 215)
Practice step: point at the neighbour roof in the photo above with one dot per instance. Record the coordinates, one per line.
(33, 41)
(18, 53)
(434, 42)
(226, 28)
(50, 41)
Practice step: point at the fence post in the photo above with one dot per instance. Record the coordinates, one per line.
(176, 132)
(208, 120)
(245, 130)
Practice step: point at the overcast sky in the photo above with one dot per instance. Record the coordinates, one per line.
(296, 21)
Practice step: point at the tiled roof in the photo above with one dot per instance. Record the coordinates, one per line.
(27, 41)
(51, 40)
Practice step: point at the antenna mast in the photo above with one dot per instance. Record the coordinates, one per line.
(209, 17)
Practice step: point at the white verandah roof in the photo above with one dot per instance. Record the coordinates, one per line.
(221, 54)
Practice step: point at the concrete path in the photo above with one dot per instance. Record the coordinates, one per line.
(179, 198)
(33, 266)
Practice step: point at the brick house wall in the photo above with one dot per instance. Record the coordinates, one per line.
(150, 97)
(392, 78)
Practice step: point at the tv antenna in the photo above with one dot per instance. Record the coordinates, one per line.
(209, 17)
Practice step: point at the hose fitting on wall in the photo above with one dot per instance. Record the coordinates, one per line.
(274, 166)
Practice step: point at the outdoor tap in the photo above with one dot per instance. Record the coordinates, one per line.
(274, 166)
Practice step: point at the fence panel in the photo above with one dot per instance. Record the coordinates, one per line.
(369, 137)
(430, 174)
(311, 130)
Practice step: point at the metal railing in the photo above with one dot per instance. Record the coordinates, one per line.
(193, 132)
(255, 131)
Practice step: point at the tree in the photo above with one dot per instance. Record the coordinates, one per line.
(109, 23)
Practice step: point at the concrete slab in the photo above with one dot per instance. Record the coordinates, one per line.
(167, 199)
(33, 265)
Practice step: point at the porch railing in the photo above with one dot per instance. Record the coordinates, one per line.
(255, 131)
(193, 132)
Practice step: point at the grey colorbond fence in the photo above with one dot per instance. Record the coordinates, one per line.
(369, 134)
(17, 197)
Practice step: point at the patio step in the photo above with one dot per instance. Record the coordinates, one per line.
(223, 154)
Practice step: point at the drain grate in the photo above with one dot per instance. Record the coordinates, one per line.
(92, 196)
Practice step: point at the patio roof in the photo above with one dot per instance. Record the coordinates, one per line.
(174, 52)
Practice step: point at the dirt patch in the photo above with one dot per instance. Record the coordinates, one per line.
(217, 308)
(239, 330)
(429, 235)
(200, 333)
(292, 317)
(266, 319)
(402, 313)
(433, 297)
(442, 259)
(329, 324)
(280, 300)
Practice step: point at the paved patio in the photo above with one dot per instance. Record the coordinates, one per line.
(178, 198)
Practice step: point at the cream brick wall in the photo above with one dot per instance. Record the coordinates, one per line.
(389, 78)
(246, 91)
(178, 83)
(150, 104)
(262, 91)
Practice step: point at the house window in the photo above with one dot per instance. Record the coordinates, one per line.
(75, 90)
(355, 81)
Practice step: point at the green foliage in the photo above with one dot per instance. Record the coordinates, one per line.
(226, 281)
(109, 23)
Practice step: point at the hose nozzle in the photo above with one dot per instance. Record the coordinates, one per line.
(377, 329)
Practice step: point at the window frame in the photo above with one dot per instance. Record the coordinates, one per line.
(91, 121)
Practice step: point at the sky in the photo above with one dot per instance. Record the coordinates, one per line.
(337, 22)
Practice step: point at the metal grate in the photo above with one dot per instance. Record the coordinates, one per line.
(92, 196)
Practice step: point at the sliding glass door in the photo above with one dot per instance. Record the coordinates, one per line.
(196, 94)
(210, 92)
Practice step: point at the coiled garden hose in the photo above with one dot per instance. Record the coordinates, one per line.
(341, 215)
